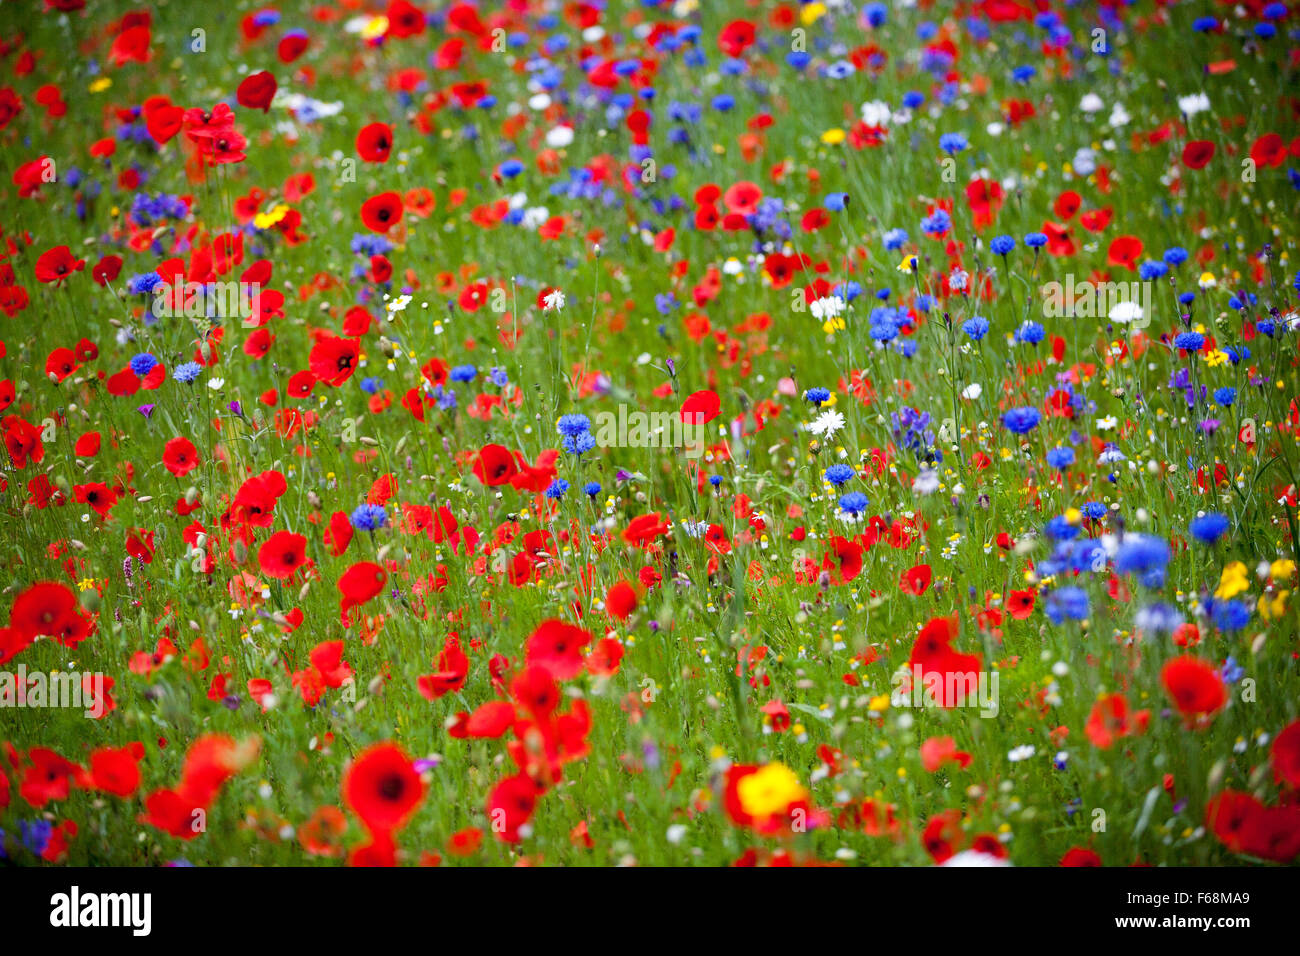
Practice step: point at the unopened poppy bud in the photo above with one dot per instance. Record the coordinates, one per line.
(191, 495)
(241, 552)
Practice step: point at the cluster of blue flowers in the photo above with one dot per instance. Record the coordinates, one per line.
(575, 432)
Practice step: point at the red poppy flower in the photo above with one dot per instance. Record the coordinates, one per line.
(742, 198)
(180, 457)
(1195, 686)
(106, 270)
(916, 581)
(1020, 604)
(1197, 153)
(1110, 720)
(333, 359)
(380, 213)
(942, 836)
(700, 408)
(453, 669)
(1060, 241)
(382, 788)
(1080, 856)
(44, 608)
(56, 264)
(937, 751)
(1286, 755)
(620, 600)
(257, 90)
(510, 805)
(643, 529)
(604, 661)
(494, 465)
(282, 555)
(374, 143)
(327, 660)
(1067, 204)
(736, 37)
(117, 770)
(48, 777)
(1124, 251)
(1269, 150)
(360, 583)
(557, 646)
(844, 560)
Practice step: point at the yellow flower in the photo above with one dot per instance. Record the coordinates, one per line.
(1207, 280)
(812, 13)
(908, 265)
(1233, 581)
(1281, 570)
(1272, 608)
(265, 220)
(100, 85)
(879, 703)
(769, 791)
(1216, 358)
(833, 137)
(375, 28)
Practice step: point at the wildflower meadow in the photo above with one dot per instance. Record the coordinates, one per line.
(665, 433)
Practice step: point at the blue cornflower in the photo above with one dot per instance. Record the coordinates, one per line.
(143, 364)
(368, 517)
(1094, 510)
(1021, 420)
(1225, 396)
(1208, 528)
(187, 372)
(146, 282)
(578, 444)
(1001, 245)
(836, 202)
(1060, 529)
(371, 385)
(952, 143)
(591, 489)
(838, 473)
(36, 834)
(937, 224)
(1231, 615)
(1151, 270)
(894, 239)
(557, 489)
(1175, 256)
(1036, 240)
(463, 373)
(573, 424)
(498, 377)
(853, 503)
(1068, 603)
(1060, 457)
(1189, 341)
(1232, 671)
(976, 327)
(817, 395)
(1030, 333)
(1144, 555)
